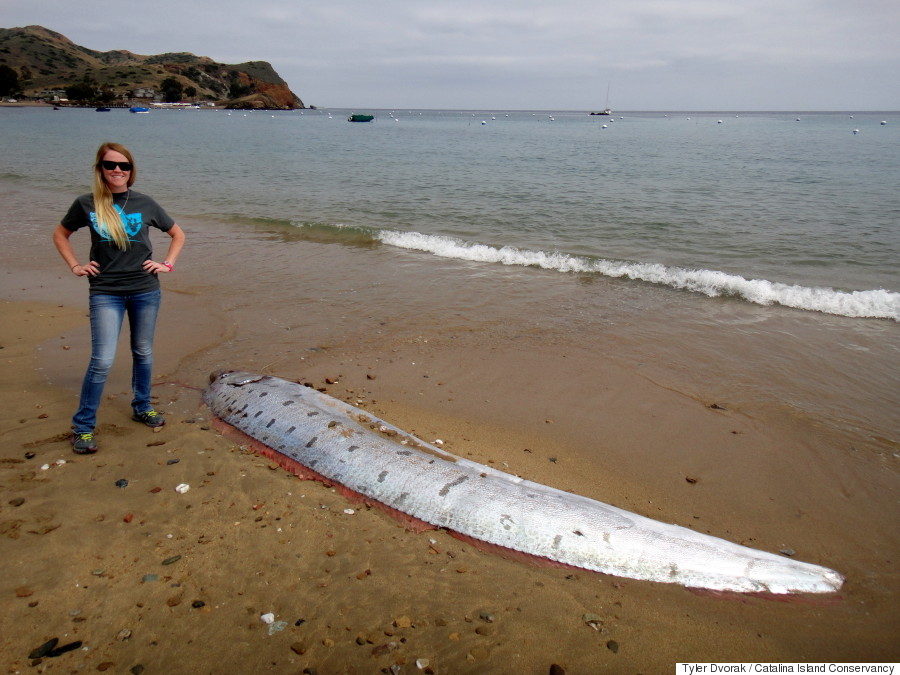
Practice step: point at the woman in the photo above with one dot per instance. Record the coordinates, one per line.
(122, 278)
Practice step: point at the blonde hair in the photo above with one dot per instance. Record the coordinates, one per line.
(107, 216)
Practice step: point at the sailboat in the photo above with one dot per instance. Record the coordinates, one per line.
(606, 110)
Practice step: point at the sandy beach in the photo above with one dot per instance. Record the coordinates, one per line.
(151, 580)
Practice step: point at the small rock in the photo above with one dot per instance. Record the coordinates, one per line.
(298, 648)
(593, 620)
(123, 635)
(403, 622)
(613, 646)
(789, 552)
(137, 669)
(173, 559)
(197, 604)
(65, 648)
(181, 488)
(17, 501)
(174, 460)
(122, 483)
(422, 664)
(29, 455)
(557, 670)
(148, 578)
(486, 616)
(690, 479)
(24, 592)
(106, 665)
(44, 649)
(267, 618)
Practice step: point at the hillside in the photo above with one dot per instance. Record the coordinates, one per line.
(39, 63)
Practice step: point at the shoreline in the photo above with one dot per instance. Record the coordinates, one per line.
(356, 591)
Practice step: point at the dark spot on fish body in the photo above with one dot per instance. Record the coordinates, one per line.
(353, 448)
(292, 430)
(404, 453)
(263, 394)
(382, 476)
(245, 407)
(271, 422)
(312, 441)
(287, 403)
(402, 497)
(258, 413)
(446, 489)
(312, 413)
(578, 533)
(557, 540)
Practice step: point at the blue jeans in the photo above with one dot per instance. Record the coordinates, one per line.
(107, 314)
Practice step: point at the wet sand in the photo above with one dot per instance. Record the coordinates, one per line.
(85, 560)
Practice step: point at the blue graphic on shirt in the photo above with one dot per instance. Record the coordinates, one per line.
(133, 223)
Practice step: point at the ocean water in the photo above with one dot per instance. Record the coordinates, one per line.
(762, 244)
(793, 209)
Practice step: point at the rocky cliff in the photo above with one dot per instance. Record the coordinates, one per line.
(40, 62)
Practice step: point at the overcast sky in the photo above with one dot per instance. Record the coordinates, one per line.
(521, 54)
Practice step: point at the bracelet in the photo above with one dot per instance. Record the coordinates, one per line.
(74, 266)
(169, 265)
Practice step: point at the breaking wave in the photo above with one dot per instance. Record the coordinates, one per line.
(878, 303)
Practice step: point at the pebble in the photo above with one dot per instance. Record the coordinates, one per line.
(613, 646)
(123, 635)
(593, 620)
(169, 561)
(182, 488)
(148, 578)
(267, 618)
(789, 552)
(174, 460)
(17, 501)
(197, 604)
(44, 649)
(277, 627)
(557, 670)
(122, 483)
(137, 669)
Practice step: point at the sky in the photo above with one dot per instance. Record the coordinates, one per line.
(726, 55)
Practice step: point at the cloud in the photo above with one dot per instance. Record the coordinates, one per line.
(508, 53)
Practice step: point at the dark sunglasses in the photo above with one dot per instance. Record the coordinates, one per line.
(110, 166)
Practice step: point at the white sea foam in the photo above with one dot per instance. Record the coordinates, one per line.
(878, 303)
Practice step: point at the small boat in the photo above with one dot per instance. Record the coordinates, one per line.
(360, 118)
(103, 109)
(139, 109)
(606, 111)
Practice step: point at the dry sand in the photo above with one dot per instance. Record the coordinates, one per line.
(151, 580)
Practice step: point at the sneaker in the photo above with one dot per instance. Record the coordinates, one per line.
(83, 444)
(149, 417)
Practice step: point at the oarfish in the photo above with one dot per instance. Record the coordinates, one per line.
(350, 447)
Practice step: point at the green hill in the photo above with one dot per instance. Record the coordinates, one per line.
(38, 63)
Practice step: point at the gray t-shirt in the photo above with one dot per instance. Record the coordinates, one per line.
(121, 272)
